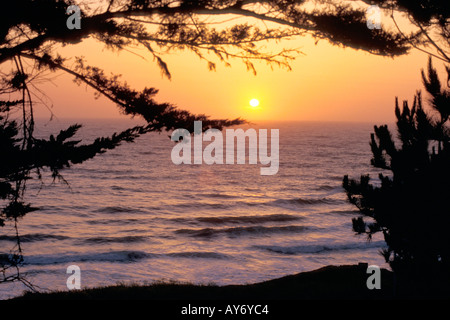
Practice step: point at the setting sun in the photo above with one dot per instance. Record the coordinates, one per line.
(254, 103)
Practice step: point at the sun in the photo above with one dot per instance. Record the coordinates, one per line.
(254, 103)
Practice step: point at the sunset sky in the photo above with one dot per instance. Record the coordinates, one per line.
(327, 83)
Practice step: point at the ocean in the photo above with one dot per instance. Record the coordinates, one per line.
(131, 215)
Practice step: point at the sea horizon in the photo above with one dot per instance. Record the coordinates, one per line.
(122, 218)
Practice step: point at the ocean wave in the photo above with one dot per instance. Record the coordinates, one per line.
(303, 201)
(239, 219)
(240, 231)
(325, 188)
(335, 178)
(201, 255)
(116, 209)
(320, 248)
(33, 237)
(297, 202)
(112, 256)
(125, 239)
(343, 212)
(249, 219)
(127, 177)
(201, 205)
(285, 203)
(219, 195)
(118, 188)
(147, 152)
(115, 222)
(116, 257)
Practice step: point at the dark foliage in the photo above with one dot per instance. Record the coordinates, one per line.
(410, 206)
(430, 19)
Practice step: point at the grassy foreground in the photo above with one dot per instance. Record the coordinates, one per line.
(327, 282)
(331, 282)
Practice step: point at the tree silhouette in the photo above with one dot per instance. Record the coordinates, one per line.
(429, 20)
(410, 205)
(32, 31)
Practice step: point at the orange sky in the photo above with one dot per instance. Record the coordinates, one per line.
(327, 83)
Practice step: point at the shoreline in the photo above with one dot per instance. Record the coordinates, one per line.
(343, 282)
(330, 282)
